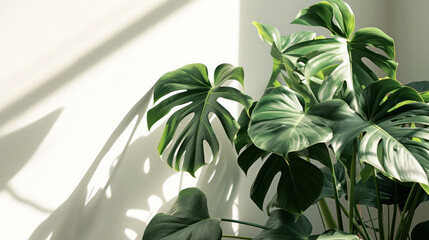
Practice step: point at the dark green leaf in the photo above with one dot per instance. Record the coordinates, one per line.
(420, 231)
(300, 183)
(187, 219)
(285, 225)
(422, 87)
(190, 89)
(328, 187)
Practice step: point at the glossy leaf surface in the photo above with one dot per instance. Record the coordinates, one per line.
(389, 140)
(187, 219)
(344, 50)
(190, 89)
(280, 124)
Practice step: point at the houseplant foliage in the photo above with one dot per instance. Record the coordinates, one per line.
(327, 123)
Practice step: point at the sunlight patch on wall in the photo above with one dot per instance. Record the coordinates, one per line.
(131, 234)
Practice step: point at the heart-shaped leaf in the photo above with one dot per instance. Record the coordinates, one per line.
(281, 125)
(188, 218)
(190, 89)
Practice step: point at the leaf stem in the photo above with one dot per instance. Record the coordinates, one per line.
(328, 220)
(356, 225)
(245, 223)
(362, 223)
(337, 199)
(379, 208)
(236, 237)
(372, 223)
(351, 188)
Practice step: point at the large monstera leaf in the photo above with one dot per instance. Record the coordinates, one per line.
(188, 218)
(190, 89)
(345, 51)
(284, 225)
(281, 125)
(392, 125)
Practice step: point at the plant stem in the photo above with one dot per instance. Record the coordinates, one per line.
(326, 214)
(356, 224)
(321, 217)
(404, 226)
(372, 223)
(351, 188)
(362, 223)
(237, 237)
(245, 223)
(395, 213)
(379, 208)
(337, 199)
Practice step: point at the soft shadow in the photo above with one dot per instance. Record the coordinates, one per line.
(17, 148)
(91, 58)
(66, 221)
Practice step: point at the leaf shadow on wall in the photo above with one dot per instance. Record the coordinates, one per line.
(136, 188)
(17, 148)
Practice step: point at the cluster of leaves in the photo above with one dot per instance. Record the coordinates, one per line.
(323, 103)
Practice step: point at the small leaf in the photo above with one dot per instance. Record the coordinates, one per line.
(188, 218)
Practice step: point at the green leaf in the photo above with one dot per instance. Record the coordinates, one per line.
(328, 187)
(366, 195)
(422, 87)
(334, 234)
(335, 15)
(300, 183)
(285, 225)
(351, 73)
(189, 89)
(389, 142)
(280, 124)
(188, 218)
(420, 231)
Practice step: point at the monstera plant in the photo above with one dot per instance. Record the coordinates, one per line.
(333, 121)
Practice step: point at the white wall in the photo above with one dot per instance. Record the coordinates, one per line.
(71, 70)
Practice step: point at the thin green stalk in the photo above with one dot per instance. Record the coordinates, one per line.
(395, 213)
(237, 237)
(379, 208)
(245, 223)
(388, 221)
(409, 216)
(326, 214)
(410, 199)
(355, 223)
(372, 223)
(392, 228)
(337, 199)
(321, 217)
(351, 188)
(362, 223)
